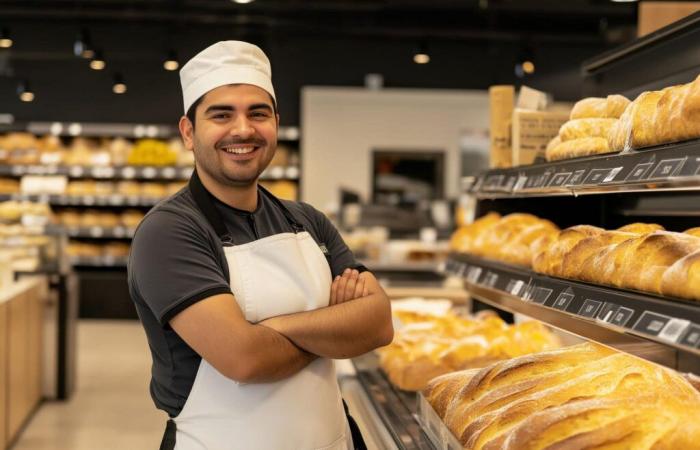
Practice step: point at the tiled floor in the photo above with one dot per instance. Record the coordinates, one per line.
(111, 408)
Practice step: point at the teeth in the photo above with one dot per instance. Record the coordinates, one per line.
(239, 150)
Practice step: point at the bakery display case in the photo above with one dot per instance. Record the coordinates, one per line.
(632, 285)
(100, 179)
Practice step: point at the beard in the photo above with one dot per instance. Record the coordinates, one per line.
(230, 173)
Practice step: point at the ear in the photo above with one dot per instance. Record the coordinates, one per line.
(187, 132)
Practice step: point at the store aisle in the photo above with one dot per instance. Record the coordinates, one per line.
(111, 408)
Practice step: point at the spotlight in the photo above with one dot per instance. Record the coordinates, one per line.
(5, 40)
(24, 91)
(171, 63)
(98, 62)
(119, 86)
(421, 55)
(528, 67)
(242, 2)
(82, 46)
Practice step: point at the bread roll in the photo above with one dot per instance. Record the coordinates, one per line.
(693, 231)
(582, 128)
(677, 114)
(579, 147)
(610, 107)
(581, 397)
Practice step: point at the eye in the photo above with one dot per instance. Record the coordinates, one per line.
(220, 116)
(259, 115)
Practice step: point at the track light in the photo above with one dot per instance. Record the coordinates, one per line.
(98, 62)
(119, 86)
(5, 40)
(24, 91)
(242, 2)
(421, 55)
(171, 63)
(82, 47)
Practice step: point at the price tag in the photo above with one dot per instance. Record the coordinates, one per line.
(560, 179)
(639, 171)
(18, 170)
(622, 316)
(108, 260)
(607, 312)
(562, 302)
(118, 232)
(651, 323)
(473, 274)
(520, 184)
(96, 232)
(611, 176)
(590, 308)
(292, 172)
(149, 172)
(76, 171)
(667, 168)
(515, 287)
(169, 172)
(490, 279)
(577, 177)
(692, 337)
(128, 172)
(186, 172)
(596, 176)
(276, 172)
(674, 329)
(540, 295)
(88, 200)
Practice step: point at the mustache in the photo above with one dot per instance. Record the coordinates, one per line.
(257, 142)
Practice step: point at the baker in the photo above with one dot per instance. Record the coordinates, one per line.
(246, 298)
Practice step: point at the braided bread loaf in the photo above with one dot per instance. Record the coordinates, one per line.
(581, 397)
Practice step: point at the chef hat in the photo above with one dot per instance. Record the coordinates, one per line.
(226, 62)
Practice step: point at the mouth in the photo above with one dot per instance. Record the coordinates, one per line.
(240, 152)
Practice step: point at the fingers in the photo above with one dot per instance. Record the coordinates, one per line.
(359, 288)
(342, 283)
(350, 286)
(334, 291)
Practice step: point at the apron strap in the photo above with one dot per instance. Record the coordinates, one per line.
(203, 199)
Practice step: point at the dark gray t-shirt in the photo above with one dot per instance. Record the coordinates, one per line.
(177, 260)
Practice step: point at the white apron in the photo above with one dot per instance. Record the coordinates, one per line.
(280, 274)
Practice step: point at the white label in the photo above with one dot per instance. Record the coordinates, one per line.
(674, 329)
(76, 171)
(148, 172)
(474, 274)
(611, 176)
(128, 172)
(96, 232)
(169, 172)
(520, 183)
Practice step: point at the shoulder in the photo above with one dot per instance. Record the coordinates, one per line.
(305, 210)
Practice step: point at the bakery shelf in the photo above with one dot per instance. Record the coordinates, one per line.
(84, 200)
(663, 330)
(130, 172)
(97, 261)
(396, 408)
(95, 232)
(671, 167)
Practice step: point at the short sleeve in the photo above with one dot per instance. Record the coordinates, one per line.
(173, 264)
(341, 257)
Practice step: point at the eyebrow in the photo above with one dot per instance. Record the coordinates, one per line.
(255, 106)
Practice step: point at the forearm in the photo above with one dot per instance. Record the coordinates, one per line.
(340, 331)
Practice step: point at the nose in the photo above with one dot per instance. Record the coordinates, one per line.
(242, 128)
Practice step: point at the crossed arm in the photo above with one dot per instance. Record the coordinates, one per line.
(357, 320)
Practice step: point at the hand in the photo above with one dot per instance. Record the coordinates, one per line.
(348, 286)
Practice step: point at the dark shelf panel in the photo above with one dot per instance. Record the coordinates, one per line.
(98, 261)
(664, 330)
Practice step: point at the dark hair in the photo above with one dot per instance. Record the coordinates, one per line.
(192, 110)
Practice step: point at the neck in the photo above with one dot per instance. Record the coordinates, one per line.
(239, 197)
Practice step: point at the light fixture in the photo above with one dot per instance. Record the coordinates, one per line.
(525, 64)
(421, 55)
(242, 2)
(528, 67)
(623, 1)
(171, 63)
(82, 46)
(5, 40)
(98, 62)
(24, 91)
(119, 86)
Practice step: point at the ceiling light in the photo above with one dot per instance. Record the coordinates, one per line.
(82, 46)
(119, 86)
(24, 91)
(98, 62)
(242, 2)
(171, 63)
(528, 67)
(421, 56)
(5, 40)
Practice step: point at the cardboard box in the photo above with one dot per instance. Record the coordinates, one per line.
(501, 100)
(532, 131)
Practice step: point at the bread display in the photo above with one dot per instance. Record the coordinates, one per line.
(511, 238)
(610, 107)
(583, 128)
(638, 256)
(576, 148)
(430, 345)
(581, 397)
(658, 117)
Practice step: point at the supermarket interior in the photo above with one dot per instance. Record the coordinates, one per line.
(517, 183)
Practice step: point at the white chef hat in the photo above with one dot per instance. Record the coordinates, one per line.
(226, 62)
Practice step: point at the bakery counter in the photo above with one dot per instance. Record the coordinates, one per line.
(669, 167)
(663, 330)
(386, 415)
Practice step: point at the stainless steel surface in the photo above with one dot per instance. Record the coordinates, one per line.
(373, 430)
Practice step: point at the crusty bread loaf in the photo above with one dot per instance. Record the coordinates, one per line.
(510, 238)
(638, 256)
(582, 128)
(581, 397)
(437, 345)
(610, 107)
(585, 146)
(634, 128)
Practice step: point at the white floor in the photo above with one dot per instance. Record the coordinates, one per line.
(111, 408)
